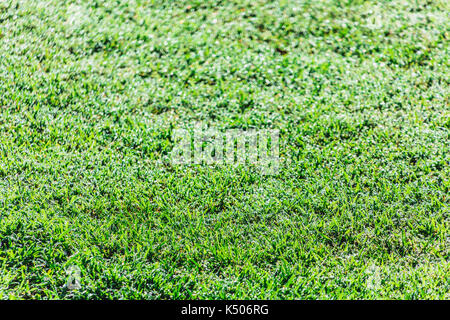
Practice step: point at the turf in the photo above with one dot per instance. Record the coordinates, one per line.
(91, 91)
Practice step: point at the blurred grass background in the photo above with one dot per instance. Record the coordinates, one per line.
(90, 92)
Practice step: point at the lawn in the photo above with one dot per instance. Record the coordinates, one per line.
(92, 91)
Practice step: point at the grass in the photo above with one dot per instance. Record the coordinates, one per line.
(91, 91)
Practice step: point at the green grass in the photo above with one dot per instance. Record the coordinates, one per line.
(90, 92)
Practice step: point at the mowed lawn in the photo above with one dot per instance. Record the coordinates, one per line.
(91, 92)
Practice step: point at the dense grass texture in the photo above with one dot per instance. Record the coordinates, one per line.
(91, 91)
